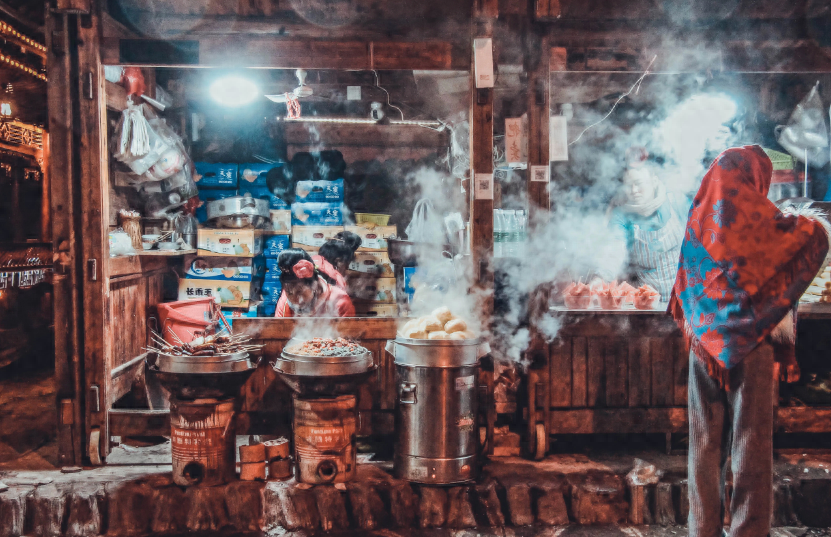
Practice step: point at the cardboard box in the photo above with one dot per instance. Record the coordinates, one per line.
(205, 195)
(370, 289)
(262, 192)
(376, 263)
(373, 238)
(236, 242)
(255, 173)
(213, 175)
(272, 271)
(369, 309)
(226, 268)
(266, 310)
(271, 291)
(310, 238)
(274, 244)
(319, 191)
(231, 314)
(281, 220)
(317, 214)
(227, 293)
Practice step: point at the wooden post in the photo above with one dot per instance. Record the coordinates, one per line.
(481, 162)
(46, 192)
(538, 111)
(65, 245)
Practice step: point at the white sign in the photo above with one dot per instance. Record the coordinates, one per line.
(540, 174)
(483, 186)
(557, 138)
(483, 62)
(353, 93)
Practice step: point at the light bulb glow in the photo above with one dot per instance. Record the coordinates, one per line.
(234, 91)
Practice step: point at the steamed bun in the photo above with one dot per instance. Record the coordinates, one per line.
(442, 314)
(431, 324)
(456, 325)
(440, 334)
(457, 335)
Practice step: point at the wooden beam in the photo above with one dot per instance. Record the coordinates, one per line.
(624, 420)
(130, 422)
(282, 329)
(803, 419)
(298, 133)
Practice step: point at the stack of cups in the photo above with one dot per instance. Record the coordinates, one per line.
(252, 462)
(277, 457)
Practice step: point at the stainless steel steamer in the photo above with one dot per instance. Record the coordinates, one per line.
(437, 438)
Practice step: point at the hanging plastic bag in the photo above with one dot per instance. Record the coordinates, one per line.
(427, 224)
(806, 131)
(136, 142)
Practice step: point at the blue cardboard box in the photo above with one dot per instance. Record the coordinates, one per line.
(271, 291)
(206, 195)
(274, 244)
(266, 310)
(215, 175)
(272, 271)
(319, 191)
(317, 214)
(255, 173)
(263, 192)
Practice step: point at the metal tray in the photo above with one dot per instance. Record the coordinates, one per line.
(220, 363)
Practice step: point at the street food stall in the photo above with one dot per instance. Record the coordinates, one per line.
(281, 133)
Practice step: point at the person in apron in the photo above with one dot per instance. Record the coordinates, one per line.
(651, 222)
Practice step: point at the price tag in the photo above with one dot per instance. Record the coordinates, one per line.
(540, 174)
(483, 187)
(557, 138)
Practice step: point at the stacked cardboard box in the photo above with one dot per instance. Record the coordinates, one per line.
(371, 278)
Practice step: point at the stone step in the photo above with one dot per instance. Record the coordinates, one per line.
(95, 503)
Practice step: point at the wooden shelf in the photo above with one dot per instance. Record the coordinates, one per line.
(167, 253)
(814, 310)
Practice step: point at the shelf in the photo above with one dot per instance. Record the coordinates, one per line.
(167, 253)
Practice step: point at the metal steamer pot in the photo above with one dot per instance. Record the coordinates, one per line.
(323, 375)
(238, 212)
(436, 419)
(202, 377)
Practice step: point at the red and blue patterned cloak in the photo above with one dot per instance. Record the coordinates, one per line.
(743, 265)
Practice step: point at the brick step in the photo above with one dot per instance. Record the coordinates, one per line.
(138, 502)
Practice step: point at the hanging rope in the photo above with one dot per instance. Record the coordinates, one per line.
(292, 107)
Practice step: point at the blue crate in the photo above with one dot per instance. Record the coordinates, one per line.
(255, 173)
(319, 191)
(274, 244)
(317, 214)
(272, 271)
(215, 175)
(266, 310)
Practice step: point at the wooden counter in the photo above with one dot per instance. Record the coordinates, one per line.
(626, 371)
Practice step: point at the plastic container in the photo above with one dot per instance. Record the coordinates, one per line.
(613, 302)
(370, 218)
(186, 317)
(577, 302)
(646, 303)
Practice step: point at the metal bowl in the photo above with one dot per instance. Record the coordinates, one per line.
(219, 363)
(302, 365)
(239, 221)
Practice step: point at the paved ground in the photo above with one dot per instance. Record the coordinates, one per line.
(27, 419)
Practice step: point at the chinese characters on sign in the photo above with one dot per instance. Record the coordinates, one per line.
(198, 291)
(483, 57)
(516, 142)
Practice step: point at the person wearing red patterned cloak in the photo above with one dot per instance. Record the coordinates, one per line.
(743, 266)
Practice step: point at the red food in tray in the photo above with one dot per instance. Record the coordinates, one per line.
(646, 297)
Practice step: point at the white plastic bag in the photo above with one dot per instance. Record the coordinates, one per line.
(806, 131)
(136, 142)
(427, 224)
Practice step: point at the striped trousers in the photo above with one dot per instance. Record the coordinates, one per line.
(745, 415)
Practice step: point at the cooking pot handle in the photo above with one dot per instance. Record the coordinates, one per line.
(408, 393)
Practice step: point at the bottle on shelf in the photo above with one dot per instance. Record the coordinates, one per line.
(522, 233)
(498, 233)
(511, 231)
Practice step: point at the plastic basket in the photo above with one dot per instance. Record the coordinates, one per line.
(780, 161)
(369, 218)
(182, 319)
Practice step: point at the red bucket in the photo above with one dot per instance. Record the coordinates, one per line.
(186, 318)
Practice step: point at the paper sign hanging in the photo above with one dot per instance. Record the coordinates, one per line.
(516, 142)
(483, 62)
(557, 138)
(539, 174)
(483, 188)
